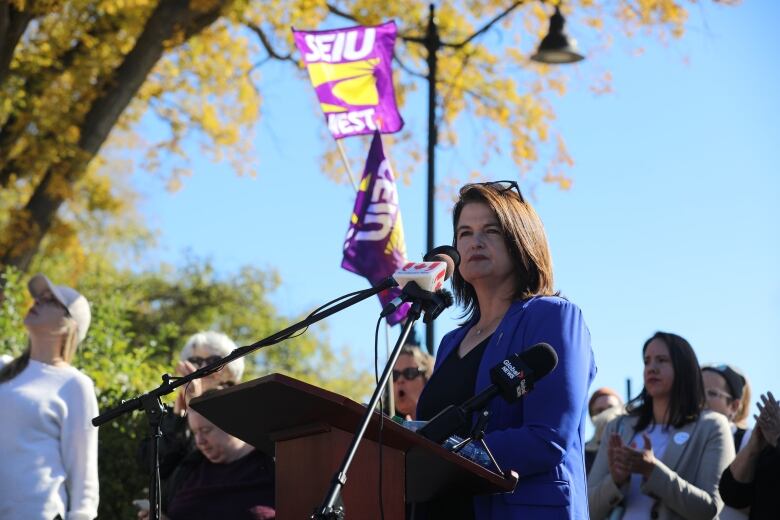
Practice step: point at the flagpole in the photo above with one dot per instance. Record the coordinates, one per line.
(346, 163)
(391, 392)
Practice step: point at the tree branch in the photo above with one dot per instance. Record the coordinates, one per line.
(338, 12)
(407, 69)
(267, 44)
(422, 40)
(487, 26)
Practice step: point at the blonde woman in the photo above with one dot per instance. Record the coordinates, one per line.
(47, 444)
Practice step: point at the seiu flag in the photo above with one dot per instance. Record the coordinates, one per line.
(375, 246)
(351, 72)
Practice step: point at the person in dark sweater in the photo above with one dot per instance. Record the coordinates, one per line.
(224, 478)
(753, 479)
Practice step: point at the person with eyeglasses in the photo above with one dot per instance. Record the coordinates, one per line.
(201, 349)
(48, 445)
(505, 284)
(728, 393)
(410, 373)
(663, 460)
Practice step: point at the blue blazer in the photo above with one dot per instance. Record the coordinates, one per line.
(541, 436)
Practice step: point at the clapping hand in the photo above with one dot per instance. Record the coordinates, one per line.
(641, 461)
(769, 419)
(625, 460)
(618, 467)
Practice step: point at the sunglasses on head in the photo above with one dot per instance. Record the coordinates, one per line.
(200, 361)
(409, 373)
(499, 186)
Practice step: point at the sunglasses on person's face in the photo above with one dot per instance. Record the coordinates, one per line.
(49, 299)
(200, 361)
(409, 373)
(499, 186)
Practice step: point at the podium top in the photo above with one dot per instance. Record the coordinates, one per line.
(266, 409)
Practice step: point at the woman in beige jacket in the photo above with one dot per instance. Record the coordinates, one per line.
(664, 459)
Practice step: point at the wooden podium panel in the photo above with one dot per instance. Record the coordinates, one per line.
(310, 461)
(312, 428)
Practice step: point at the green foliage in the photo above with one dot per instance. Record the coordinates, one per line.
(139, 323)
(13, 338)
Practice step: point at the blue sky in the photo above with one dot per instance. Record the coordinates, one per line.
(671, 223)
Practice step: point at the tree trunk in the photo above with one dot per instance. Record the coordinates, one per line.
(29, 226)
(13, 23)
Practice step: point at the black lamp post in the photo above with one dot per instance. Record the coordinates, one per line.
(555, 48)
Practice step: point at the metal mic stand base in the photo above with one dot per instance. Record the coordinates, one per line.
(155, 411)
(478, 435)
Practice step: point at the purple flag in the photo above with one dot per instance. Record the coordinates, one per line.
(351, 72)
(375, 246)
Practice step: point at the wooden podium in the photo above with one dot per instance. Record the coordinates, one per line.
(310, 429)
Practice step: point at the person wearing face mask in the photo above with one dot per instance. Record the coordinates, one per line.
(604, 405)
(663, 460)
(223, 478)
(47, 444)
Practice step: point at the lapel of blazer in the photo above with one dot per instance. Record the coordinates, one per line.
(681, 439)
(625, 428)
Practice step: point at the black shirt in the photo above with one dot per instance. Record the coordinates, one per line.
(762, 493)
(452, 383)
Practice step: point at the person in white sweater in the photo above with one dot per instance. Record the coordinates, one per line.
(48, 447)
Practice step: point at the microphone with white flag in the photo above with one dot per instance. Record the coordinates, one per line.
(429, 275)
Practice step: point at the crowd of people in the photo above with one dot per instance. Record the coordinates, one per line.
(680, 449)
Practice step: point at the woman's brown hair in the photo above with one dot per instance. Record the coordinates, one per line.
(525, 240)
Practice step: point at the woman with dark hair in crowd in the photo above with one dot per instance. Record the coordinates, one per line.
(48, 446)
(505, 283)
(664, 459)
(753, 479)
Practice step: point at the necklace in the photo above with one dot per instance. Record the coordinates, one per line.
(491, 322)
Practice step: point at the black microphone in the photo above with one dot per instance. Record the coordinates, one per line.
(512, 379)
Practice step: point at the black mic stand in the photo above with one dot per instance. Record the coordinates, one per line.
(478, 435)
(433, 304)
(151, 402)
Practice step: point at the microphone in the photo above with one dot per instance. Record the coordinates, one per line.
(511, 379)
(438, 265)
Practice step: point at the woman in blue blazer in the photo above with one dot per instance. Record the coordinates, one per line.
(505, 283)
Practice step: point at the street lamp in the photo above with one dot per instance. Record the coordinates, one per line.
(555, 48)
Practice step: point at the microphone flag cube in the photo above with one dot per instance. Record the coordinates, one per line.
(429, 276)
